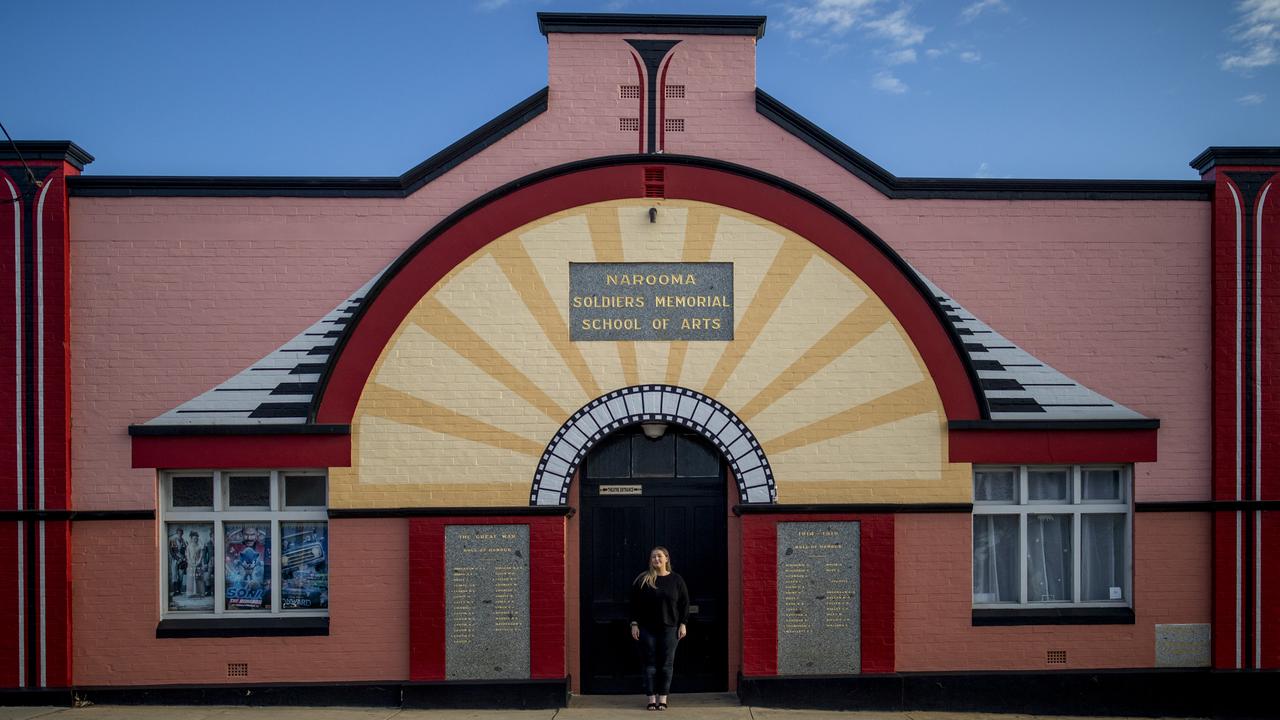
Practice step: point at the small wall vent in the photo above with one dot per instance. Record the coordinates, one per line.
(675, 92)
(629, 124)
(655, 182)
(237, 669)
(673, 125)
(1055, 657)
(630, 92)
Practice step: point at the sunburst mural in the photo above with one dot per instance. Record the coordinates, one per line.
(482, 373)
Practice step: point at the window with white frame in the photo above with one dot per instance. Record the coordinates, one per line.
(1048, 536)
(244, 542)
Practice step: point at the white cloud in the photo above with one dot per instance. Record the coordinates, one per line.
(970, 13)
(933, 53)
(1251, 99)
(900, 57)
(1259, 31)
(884, 81)
(490, 5)
(898, 28)
(827, 16)
(983, 171)
(970, 56)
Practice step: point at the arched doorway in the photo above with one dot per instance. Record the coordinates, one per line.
(641, 486)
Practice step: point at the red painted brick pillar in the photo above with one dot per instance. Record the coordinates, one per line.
(35, 481)
(1246, 404)
(427, 573)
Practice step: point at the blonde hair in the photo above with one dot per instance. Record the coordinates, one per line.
(650, 576)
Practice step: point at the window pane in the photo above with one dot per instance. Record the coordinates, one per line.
(304, 566)
(303, 491)
(1048, 558)
(653, 458)
(248, 565)
(995, 558)
(1102, 543)
(995, 486)
(249, 491)
(611, 458)
(190, 566)
(696, 458)
(192, 492)
(1048, 486)
(1100, 485)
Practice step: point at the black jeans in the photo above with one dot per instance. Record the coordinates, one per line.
(658, 647)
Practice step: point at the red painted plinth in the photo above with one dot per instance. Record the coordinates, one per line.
(427, 574)
(760, 590)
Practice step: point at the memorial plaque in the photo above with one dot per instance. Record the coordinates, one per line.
(651, 301)
(1182, 645)
(819, 609)
(486, 601)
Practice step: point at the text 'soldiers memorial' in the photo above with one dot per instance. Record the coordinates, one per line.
(651, 301)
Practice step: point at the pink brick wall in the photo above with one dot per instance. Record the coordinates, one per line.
(934, 611)
(116, 608)
(171, 296)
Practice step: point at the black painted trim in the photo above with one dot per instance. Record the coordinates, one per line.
(1143, 424)
(1237, 156)
(351, 187)
(513, 511)
(474, 694)
(498, 694)
(1052, 616)
(242, 627)
(1190, 692)
(895, 187)
(266, 429)
(13, 697)
(1208, 506)
(45, 150)
(649, 24)
(79, 515)
(689, 160)
(856, 508)
(652, 53)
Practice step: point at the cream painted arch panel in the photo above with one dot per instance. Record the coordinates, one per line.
(821, 389)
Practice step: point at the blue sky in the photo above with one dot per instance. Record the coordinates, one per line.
(959, 88)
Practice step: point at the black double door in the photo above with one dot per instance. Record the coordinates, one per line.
(638, 493)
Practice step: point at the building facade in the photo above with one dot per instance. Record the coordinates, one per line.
(913, 442)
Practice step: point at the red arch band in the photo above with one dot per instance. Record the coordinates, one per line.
(440, 251)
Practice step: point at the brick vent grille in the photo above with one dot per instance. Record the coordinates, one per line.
(237, 669)
(654, 183)
(673, 92)
(1055, 657)
(629, 124)
(673, 124)
(630, 92)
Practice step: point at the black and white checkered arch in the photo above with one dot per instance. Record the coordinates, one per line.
(653, 403)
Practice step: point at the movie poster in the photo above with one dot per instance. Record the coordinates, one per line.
(248, 564)
(190, 566)
(304, 565)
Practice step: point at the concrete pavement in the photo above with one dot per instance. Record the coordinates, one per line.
(599, 707)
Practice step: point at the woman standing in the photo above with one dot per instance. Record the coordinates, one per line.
(659, 612)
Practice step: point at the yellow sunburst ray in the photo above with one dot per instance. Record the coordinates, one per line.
(409, 410)
(903, 403)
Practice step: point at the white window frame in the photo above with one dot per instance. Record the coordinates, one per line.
(1076, 507)
(221, 514)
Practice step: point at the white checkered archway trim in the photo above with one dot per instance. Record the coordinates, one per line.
(653, 403)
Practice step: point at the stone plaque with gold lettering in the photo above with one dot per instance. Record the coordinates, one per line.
(486, 601)
(819, 609)
(651, 301)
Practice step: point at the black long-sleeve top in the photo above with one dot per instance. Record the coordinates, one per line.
(667, 605)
